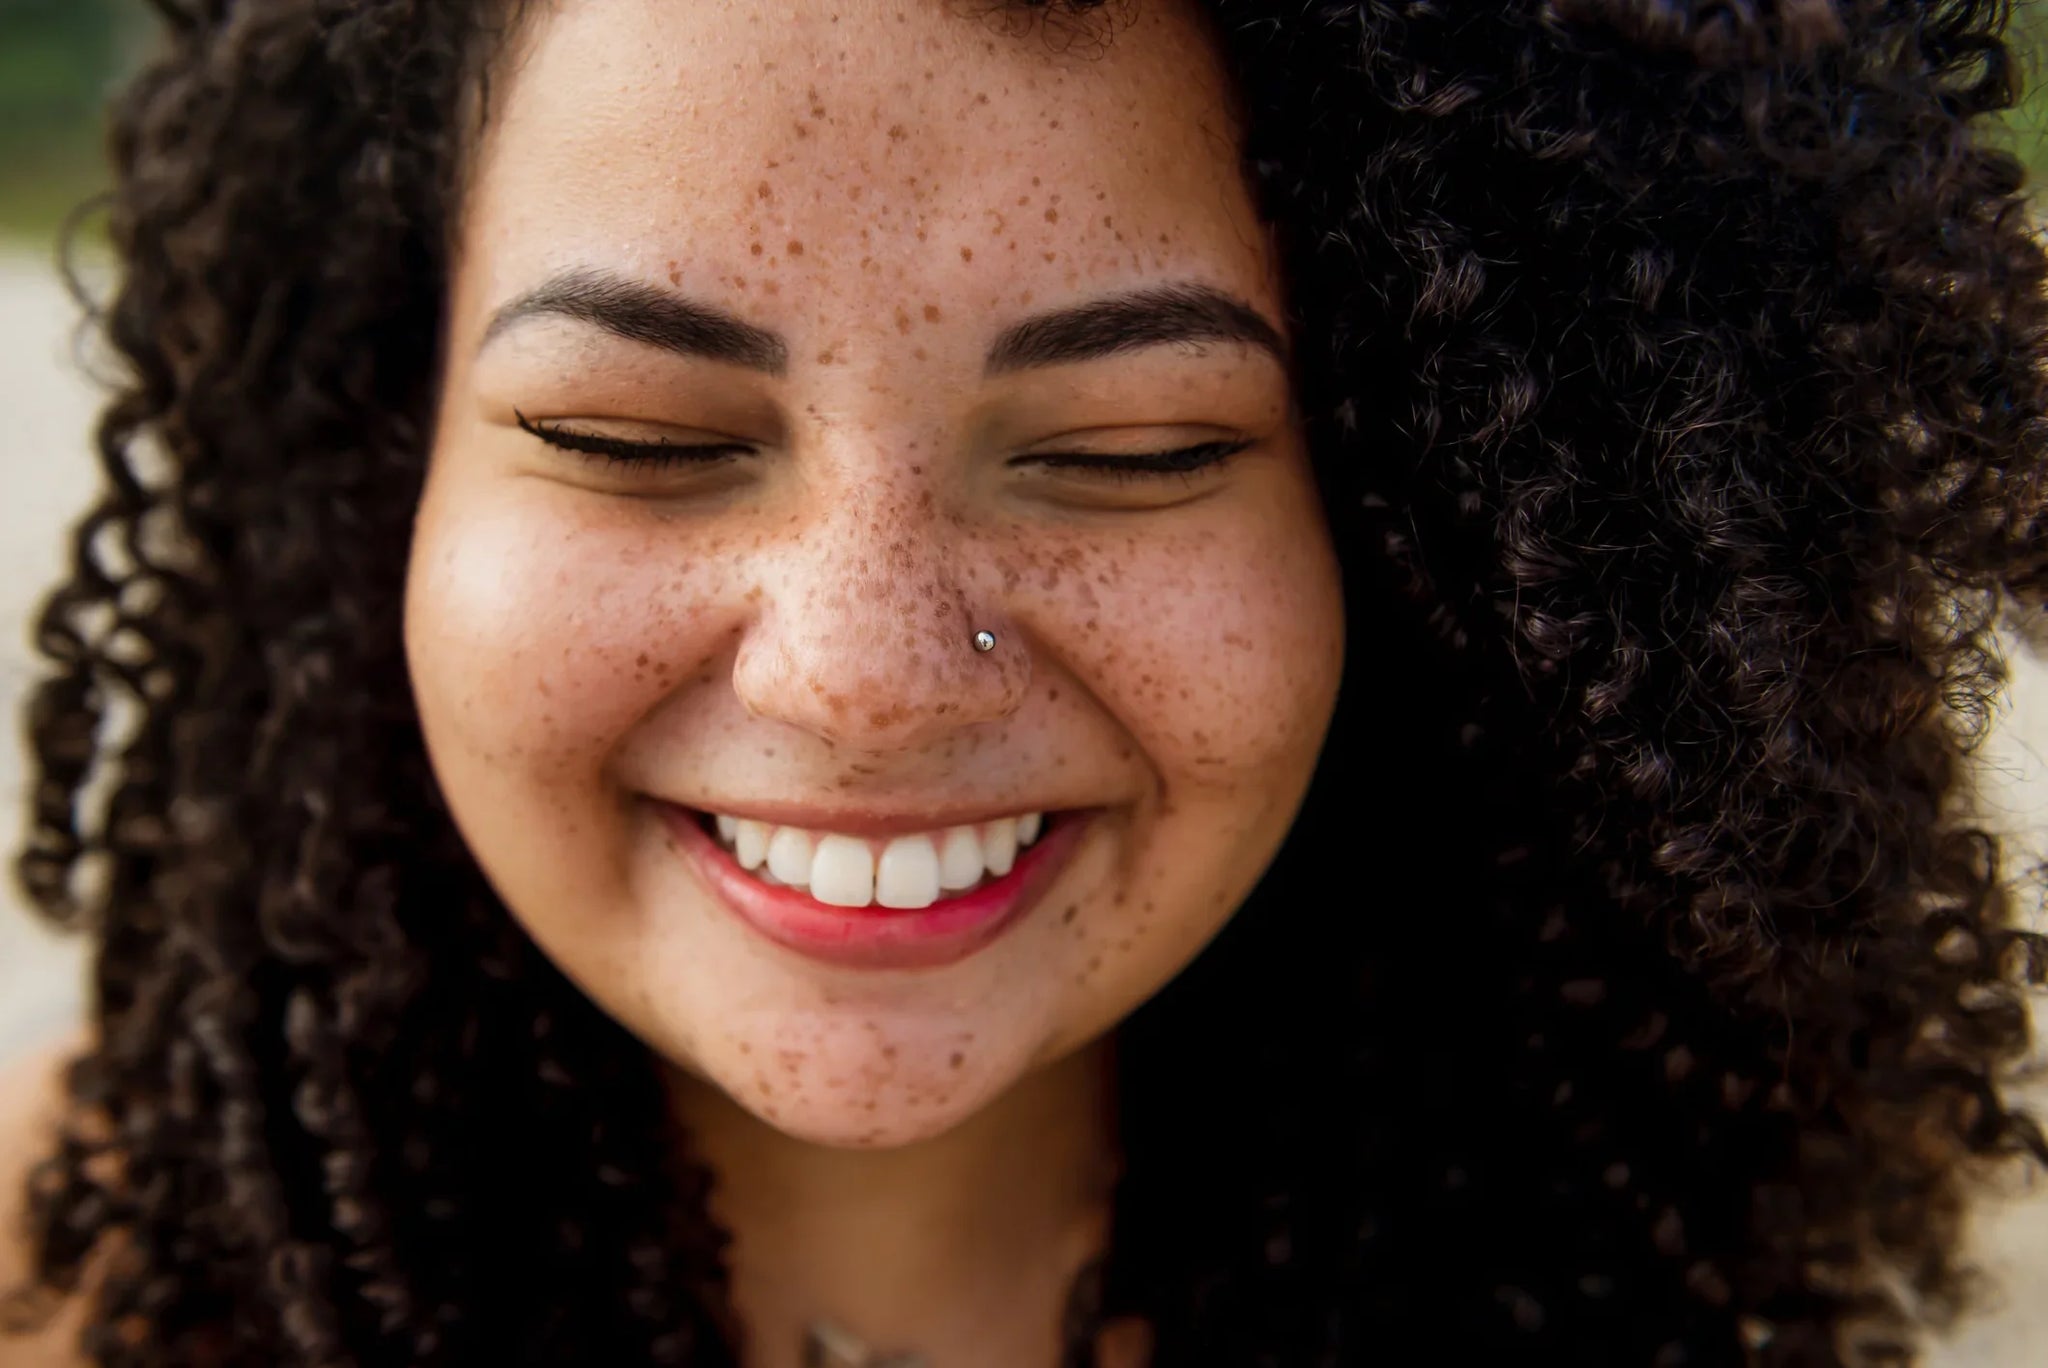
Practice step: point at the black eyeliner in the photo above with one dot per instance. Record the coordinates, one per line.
(658, 452)
(1183, 461)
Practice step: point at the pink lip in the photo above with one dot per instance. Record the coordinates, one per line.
(879, 937)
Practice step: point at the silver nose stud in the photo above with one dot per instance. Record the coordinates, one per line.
(984, 641)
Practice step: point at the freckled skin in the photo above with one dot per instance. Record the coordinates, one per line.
(795, 625)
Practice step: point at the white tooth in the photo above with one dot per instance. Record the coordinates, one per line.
(960, 858)
(727, 827)
(1027, 827)
(751, 842)
(789, 855)
(908, 875)
(999, 845)
(843, 872)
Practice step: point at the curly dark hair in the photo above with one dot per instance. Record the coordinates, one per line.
(1648, 994)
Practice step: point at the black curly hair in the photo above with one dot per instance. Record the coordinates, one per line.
(1647, 994)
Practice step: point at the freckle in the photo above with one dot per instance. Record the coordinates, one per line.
(957, 1059)
(795, 248)
(675, 274)
(1067, 916)
(1013, 244)
(896, 133)
(803, 130)
(755, 249)
(1052, 216)
(931, 313)
(981, 99)
(967, 254)
(918, 353)
(763, 191)
(1049, 256)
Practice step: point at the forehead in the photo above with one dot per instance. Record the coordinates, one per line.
(772, 147)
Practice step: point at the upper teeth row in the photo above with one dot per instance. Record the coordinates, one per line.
(907, 871)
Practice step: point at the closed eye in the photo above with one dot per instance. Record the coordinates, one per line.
(1137, 464)
(655, 454)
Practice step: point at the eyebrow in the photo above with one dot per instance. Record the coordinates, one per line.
(1185, 311)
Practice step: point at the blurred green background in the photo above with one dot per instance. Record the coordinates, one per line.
(60, 58)
(58, 61)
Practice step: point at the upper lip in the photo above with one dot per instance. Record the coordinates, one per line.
(861, 821)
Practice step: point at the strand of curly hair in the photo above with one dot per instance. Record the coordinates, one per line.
(1646, 993)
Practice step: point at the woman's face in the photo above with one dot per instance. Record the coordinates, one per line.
(814, 234)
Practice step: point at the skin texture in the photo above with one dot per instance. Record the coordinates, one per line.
(793, 626)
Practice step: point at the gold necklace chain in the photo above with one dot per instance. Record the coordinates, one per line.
(827, 1345)
(830, 1345)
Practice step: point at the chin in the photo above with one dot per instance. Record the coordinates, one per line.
(880, 1122)
(854, 1080)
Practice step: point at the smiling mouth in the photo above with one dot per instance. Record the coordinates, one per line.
(908, 871)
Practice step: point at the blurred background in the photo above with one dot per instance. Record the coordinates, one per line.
(58, 61)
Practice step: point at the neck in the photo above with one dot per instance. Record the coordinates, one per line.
(960, 1248)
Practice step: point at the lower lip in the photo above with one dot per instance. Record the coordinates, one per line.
(880, 937)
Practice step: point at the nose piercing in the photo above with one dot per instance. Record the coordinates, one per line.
(984, 641)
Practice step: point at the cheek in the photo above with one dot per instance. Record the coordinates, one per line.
(538, 635)
(1218, 649)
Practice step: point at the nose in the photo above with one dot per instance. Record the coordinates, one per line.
(865, 634)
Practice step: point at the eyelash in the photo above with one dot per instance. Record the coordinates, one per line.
(1185, 461)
